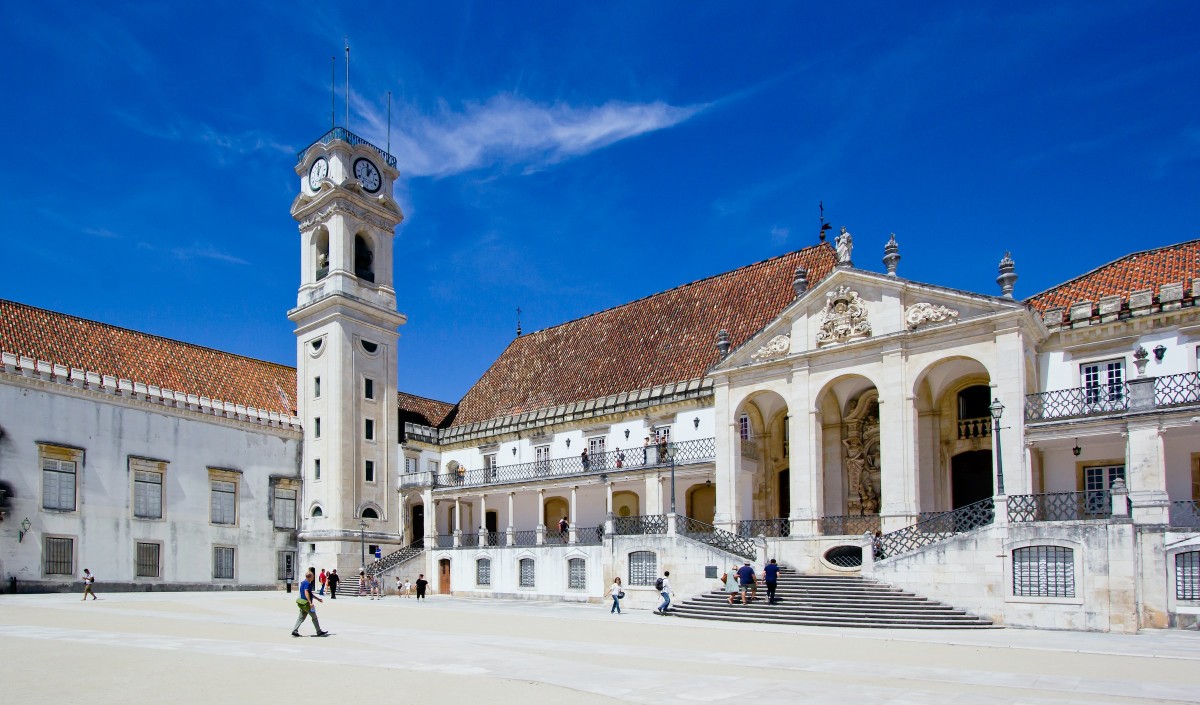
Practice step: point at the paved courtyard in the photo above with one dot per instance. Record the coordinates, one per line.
(186, 648)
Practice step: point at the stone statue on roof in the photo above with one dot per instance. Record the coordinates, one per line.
(844, 244)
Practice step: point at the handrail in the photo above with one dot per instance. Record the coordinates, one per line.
(1060, 506)
(341, 133)
(935, 529)
(397, 557)
(849, 525)
(640, 525)
(1079, 401)
(773, 528)
(712, 536)
(1177, 390)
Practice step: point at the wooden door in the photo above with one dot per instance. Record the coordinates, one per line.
(444, 576)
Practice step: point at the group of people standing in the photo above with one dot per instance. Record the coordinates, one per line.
(744, 580)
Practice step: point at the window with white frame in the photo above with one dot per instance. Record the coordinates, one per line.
(643, 567)
(285, 508)
(541, 456)
(1187, 575)
(369, 429)
(149, 559)
(316, 387)
(58, 555)
(576, 574)
(368, 388)
(662, 434)
(1043, 571)
(223, 560)
(1103, 382)
(369, 471)
(489, 466)
(410, 464)
(285, 565)
(433, 467)
(224, 502)
(1097, 480)
(596, 447)
(483, 572)
(60, 479)
(316, 468)
(744, 427)
(317, 427)
(525, 570)
(147, 488)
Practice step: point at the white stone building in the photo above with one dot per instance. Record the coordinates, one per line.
(785, 408)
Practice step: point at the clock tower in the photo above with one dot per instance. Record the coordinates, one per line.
(346, 334)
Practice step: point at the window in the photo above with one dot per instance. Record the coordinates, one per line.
(316, 468)
(744, 427)
(596, 446)
(148, 560)
(369, 471)
(975, 402)
(58, 556)
(643, 567)
(410, 464)
(317, 427)
(58, 484)
(1187, 575)
(489, 466)
(433, 466)
(224, 502)
(483, 572)
(1103, 382)
(369, 513)
(576, 574)
(316, 387)
(662, 434)
(285, 508)
(147, 495)
(526, 572)
(368, 388)
(1097, 480)
(223, 559)
(1044, 571)
(541, 455)
(317, 512)
(369, 429)
(285, 565)
(369, 347)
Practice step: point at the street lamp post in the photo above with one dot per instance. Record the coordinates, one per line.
(671, 451)
(362, 543)
(997, 410)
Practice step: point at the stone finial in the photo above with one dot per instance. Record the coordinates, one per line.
(891, 255)
(723, 342)
(1008, 276)
(844, 243)
(1140, 358)
(800, 281)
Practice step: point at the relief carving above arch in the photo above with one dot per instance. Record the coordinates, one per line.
(844, 318)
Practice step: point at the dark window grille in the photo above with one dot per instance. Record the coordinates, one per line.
(643, 567)
(223, 562)
(1044, 571)
(58, 556)
(483, 572)
(1187, 575)
(526, 572)
(576, 574)
(148, 560)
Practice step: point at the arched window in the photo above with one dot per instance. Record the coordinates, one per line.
(364, 259)
(370, 513)
(321, 261)
(483, 572)
(317, 512)
(576, 574)
(643, 567)
(1043, 571)
(526, 572)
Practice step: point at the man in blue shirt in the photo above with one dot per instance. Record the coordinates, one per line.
(305, 603)
(771, 578)
(746, 579)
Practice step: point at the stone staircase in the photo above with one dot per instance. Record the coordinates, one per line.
(395, 558)
(833, 601)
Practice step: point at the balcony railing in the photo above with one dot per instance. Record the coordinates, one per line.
(416, 479)
(1060, 506)
(849, 525)
(1177, 390)
(974, 428)
(444, 541)
(712, 536)
(686, 452)
(468, 540)
(589, 535)
(936, 528)
(645, 524)
(341, 133)
(1185, 514)
(525, 538)
(771, 528)
(1080, 401)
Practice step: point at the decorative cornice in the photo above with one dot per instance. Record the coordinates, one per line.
(342, 207)
(1141, 303)
(778, 346)
(920, 314)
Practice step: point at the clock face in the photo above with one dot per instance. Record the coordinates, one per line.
(367, 175)
(318, 171)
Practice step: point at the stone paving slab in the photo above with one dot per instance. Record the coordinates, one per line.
(134, 647)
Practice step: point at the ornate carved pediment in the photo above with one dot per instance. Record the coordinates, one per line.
(918, 315)
(777, 347)
(844, 317)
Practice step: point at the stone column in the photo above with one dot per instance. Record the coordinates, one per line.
(897, 446)
(1008, 385)
(608, 508)
(806, 469)
(402, 515)
(457, 523)
(653, 501)
(541, 509)
(430, 518)
(571, 532)
(482, 519)
(1146, 472)
(512, 539)
(727, 461)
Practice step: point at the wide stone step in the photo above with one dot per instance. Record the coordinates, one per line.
(863, 624)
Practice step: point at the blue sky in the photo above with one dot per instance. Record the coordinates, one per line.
(569, 157)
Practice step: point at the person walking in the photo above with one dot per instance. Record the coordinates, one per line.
(771, 579)
(88, 581)
(408, 588)
(321, 580)
(399, 586)
(422, 583)
(563, 527)
(663, 585)
(305, 603)
(583, 458)
(746, 580)
(362, 583)
(731, 583)
(617, 593)
(333, 581)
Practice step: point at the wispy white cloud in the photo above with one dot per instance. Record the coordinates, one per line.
(102, 232)
(508, 130)
(194, 251)
(237, 143)
(779, 234)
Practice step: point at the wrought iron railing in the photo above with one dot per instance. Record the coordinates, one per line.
(445, 541)
(771, 528)
(935, 529)
(699, 450)
(1059, 506)
(589, 535)
(1185, 514)
(556, 536)
(525, 538)
(849, 525)
(974, 428)
(395, 558)
(644, 524)
(491, 538)
(341, 133)
(1177, 390)
(468, 540)
(717, 538)
(1080, 401)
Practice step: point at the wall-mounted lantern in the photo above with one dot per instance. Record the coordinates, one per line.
(1077, 450)
(1160, 352)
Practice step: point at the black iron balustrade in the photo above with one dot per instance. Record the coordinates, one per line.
(395, 558)
(1080, 401)
(1059, 506)
(491, 538)
(849, 525)
(341, 133)
(1177, 390)
(937, 528)
(445, 541)
(644, 524)
(556, 536)
(589, 535)
(771, 528)
(525, 538)
(468, 540)
(974, 428)
(717, 538)
(694, 451)
(1185, 514)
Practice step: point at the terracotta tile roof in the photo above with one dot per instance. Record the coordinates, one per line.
(141, 357)
(1141, 270)
(666, 337)
(423, 411)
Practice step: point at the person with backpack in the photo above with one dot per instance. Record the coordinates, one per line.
(89, 579)
(663, 585)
